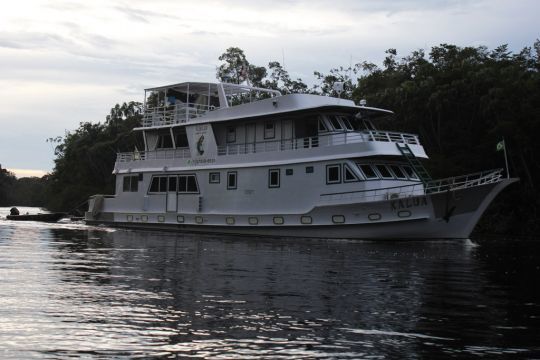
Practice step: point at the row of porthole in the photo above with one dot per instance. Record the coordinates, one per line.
(278, 220)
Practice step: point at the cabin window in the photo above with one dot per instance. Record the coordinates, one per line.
(180, 137)
(131, 183)
(398, 172)
(385, 173)
(346, 122)
(410, 172)
(333, 174)
(187, 184)
(158, 184)
(231, 134)
(289, 172)
(348, 174)
(273, 178)
(322, 125)
(213, 178)
(368, 171)
(164, 141)
(172, 184)
(309, 169)
(269, 130)
(335, 123)
(231, 180)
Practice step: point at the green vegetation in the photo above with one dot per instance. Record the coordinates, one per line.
(461, 101)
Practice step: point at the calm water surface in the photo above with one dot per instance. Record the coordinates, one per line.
(70, 290)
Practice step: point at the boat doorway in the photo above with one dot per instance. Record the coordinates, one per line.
(172, 194)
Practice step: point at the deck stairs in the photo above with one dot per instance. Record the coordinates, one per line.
(414, 162)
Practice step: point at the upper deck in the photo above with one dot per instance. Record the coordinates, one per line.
(212, 102)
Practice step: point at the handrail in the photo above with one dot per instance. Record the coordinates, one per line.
(174, 114)
(153, 155)
(418, 189)
(332, 139)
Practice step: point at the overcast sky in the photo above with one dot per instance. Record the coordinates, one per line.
(65, 62)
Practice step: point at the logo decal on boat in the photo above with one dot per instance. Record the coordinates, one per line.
(200, 148)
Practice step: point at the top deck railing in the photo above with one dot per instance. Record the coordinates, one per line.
(174, 114)
(418, 189)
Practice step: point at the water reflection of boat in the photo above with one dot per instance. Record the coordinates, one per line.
(242, 160)
(52, 217)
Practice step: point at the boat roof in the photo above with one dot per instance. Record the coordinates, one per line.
(204, 88)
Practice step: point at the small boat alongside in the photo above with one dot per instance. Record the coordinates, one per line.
(238, 159)
(48, 217)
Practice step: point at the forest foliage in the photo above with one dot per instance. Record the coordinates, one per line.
(461, 101)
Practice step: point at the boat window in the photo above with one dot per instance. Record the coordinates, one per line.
(398, 172)
(231, 134)
(289, 172)
(333, 174)
(346, 122)
(273, 178)
(192, 184)
(154, 187)
(213, 178)
(187, 184)
(163, 184)
(410, 172)
(164, 141)
(309, 169)
(368, 171)
(348, 174)
(158, 184)
(322, 125)
(269, 130)
(231, 180)
(335, 123)
(172, 183)
(131, 183)
(385, 173)
(180, 137)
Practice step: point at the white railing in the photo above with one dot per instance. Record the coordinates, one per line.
(418, 189)
(333, 139)
(174, 114)
(153, 155)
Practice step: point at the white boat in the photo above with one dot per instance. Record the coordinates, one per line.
(238, 159)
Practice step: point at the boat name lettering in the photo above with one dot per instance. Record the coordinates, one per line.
(200, 161)
(408, 202)
(201, 128)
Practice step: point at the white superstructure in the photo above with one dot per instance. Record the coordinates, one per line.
(239, 159)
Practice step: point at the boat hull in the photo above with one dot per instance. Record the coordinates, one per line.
(450, 214)
(53, 217)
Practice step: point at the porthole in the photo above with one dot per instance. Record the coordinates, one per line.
(161, 218)
(374, 216)
(253, 221)
(144, 218)
(199, 219)
(404, 213)
(180, 219)
(130, 218)
(229, 220)
(278, 220)
(338, 219)
(306, 220)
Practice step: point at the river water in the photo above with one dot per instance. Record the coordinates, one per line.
(70, 290)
